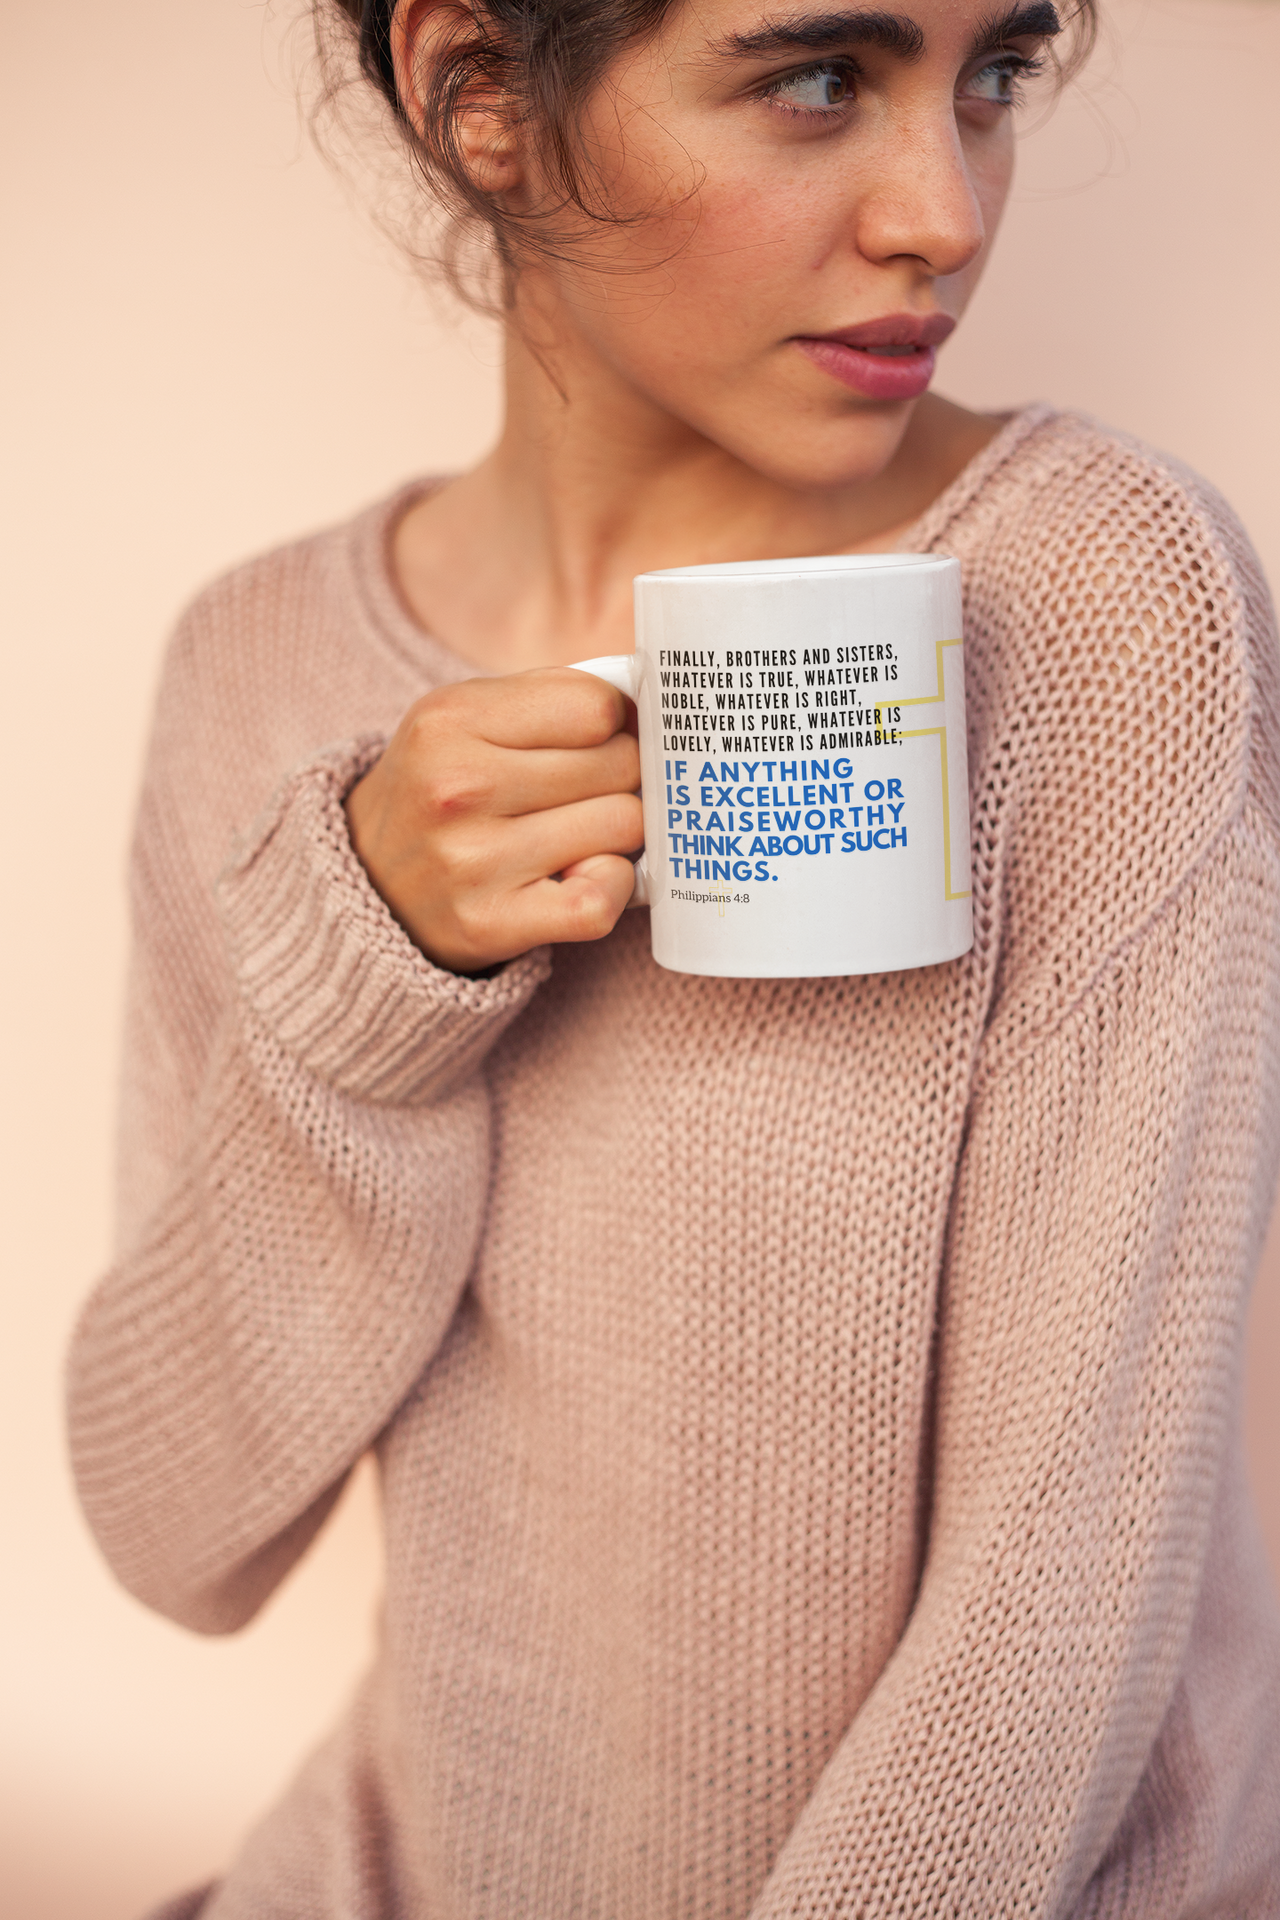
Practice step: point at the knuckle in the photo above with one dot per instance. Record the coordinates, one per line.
(591, 913)
(460, 865)
(595, 707)
(449, 868)
(626, 820)
(451, 792)
(475, 930)
(605, 715)
(437, 718)
(436, 713)
(449, 775)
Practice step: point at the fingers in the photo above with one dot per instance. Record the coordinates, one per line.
(488, 789)
(476, 859)
(476, 925)
(585, 905)
(468, 754)
(546, 707)
(552, 841)
(517, 782)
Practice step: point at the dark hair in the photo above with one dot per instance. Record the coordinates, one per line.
(544, 58)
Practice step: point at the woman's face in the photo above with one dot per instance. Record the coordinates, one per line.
(805, 197)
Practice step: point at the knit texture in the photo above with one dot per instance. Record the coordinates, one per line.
(807, 1411)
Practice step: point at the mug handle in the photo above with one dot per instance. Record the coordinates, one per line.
(622, 670)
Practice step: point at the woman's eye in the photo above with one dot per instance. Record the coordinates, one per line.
(998, 82)
(816, 90)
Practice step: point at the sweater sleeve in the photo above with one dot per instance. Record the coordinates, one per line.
(1110, 1206)
(305, 1173)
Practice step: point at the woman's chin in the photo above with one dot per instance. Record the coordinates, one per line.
(820, 457)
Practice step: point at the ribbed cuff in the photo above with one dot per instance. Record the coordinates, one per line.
(327, 969)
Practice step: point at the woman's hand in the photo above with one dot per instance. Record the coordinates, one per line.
(488, 790)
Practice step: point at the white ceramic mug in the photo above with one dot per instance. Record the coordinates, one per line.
(803, 764)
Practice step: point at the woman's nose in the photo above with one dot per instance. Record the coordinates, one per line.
(922, 201)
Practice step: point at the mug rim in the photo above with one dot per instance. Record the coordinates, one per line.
(804, 565)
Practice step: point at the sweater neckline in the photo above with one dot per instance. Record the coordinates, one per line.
(389, 617)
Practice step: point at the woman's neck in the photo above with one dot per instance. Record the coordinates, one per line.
(528, 560)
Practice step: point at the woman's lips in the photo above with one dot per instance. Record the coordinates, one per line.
(887, 359)
(900, 375)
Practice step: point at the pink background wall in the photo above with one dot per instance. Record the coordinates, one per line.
(208, 351)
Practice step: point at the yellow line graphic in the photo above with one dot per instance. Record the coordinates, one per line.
(923, 733)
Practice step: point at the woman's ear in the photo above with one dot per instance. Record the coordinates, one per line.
(424, 34)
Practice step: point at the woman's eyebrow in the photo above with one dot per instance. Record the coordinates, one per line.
(828, 33)
(1038, 19)
(894, 33)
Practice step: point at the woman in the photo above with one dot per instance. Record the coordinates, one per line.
(805, 1410)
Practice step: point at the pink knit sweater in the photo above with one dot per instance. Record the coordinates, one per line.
(807, 1411)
